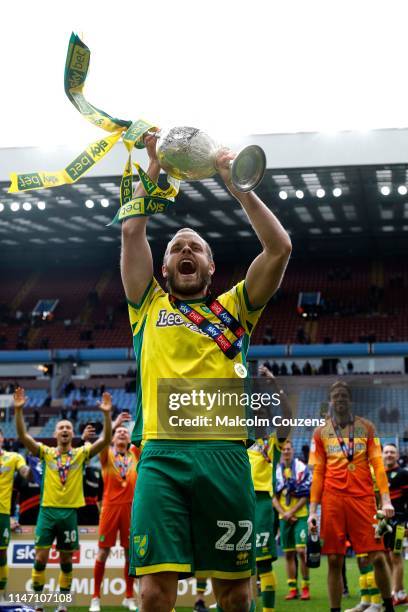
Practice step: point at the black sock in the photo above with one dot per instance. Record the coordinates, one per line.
(388, 604)
(335, 609)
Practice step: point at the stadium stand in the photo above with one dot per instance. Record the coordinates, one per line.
(361, 301)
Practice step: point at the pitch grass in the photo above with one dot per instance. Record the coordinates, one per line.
(318, 587)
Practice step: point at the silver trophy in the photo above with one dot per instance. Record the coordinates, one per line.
(189, 154)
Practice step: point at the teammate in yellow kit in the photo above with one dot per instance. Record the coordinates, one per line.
(293, 480)
(10, 463)
(62, 490)
(264, 456)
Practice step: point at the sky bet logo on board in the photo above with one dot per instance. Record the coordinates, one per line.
(24, 553)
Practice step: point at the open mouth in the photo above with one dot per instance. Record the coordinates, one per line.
(186, 267)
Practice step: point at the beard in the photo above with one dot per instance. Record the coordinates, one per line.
(199, 285)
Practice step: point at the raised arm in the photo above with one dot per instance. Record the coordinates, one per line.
(105, 438)
(266, 271)
(136, 262)
(121, 420)
(282, 431)
(29, 442)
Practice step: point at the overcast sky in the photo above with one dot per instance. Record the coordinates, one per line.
(232, 67)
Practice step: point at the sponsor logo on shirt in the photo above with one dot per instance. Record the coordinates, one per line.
(336, 448)
(170, 319)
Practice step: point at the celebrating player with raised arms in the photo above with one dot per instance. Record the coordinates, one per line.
(186, 334)
(341, 453)
(62, 490)
(119, 463)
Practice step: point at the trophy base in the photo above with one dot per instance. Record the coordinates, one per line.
(248, 168)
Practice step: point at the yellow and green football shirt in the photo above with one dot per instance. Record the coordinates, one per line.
(263, 457)
(167, 345)
(9, 463)
(53, 493)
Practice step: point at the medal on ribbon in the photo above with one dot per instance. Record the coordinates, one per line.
(121, 463)
(264, 448)
(63, 468)
(347, 450)
(230, 349)
(288, 481)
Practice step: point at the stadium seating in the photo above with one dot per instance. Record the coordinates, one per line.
(120, 399)
(48, 429)
(36, 398)
(92, 310)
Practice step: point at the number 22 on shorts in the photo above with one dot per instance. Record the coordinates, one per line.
(223, 543)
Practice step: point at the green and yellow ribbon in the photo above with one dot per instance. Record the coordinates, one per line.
(77, 168)
(76, 71)
(131, 132)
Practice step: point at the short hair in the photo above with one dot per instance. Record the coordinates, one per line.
(288, 441)
(340, 384)
(390, 444)
(62, 420)
(120, 427)
(189, 229)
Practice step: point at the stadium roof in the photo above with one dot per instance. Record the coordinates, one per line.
(344, 208)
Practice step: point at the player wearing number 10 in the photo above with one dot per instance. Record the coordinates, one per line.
(9, 464)
(62, 490)
(173, 532)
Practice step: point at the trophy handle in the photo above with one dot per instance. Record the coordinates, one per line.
(248, 168)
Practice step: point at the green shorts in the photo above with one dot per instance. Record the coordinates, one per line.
(60, 523)
(193, 510)
(4, 531)
(264, 521)
(293, 535)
